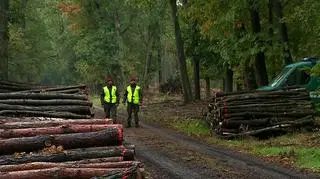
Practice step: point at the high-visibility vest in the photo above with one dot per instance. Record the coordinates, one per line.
(107, 95)
(133, 97)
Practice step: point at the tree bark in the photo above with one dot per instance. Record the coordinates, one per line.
(24, 113)
(260, 64)
(70, 155)
(110, 136)
(249, 76)
(229, 80)
(75, 173)
(4, 39)
(34, 102)
(270, 19)
(283, 32)
(61, 108)
(40, 124)
(41, 96)
(61, 88)
(187, 94)
(66, 129)
(44, 165)
(207, 79)
(196, 73)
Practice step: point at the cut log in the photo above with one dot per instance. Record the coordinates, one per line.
(97, 160)
(65, 129)
(34, 102)
(61, 108)
(62, 88)
(70, 155)
(41, 96)
(237, 123)
(37, 124)
(110, 136)
(44, 165)
(67, 115)
(70, 173)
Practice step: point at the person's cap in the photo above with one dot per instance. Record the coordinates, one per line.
(133, 79)
(109, 79)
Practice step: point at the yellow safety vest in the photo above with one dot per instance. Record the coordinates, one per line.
(135, 96)
(107, 94)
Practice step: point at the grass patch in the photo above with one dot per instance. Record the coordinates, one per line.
(309, 158)
(95, 99)
(192, 127)
(294, 147)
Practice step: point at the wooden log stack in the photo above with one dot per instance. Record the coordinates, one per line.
(23, 100)
(251, 113)
(85, 148)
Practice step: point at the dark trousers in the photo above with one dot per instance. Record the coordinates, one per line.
(135, 109)
(110, 109)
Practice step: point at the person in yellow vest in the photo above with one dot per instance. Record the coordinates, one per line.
(110, 100)
(133, 98)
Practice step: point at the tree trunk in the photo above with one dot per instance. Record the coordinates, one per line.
(196, 73)
(62, 108)
(111, 136)
(207, 79)
(260, 64)
(41, 96)
(229, 80)
(187, 94)
(96, 160)
(34, 102)
(39, 124)
(4, 39)
(70, 155)
(283, 32)
(65, 115)
(249, 76)
(52, 89)
(270, 19)
(159, 58)
(75, 173)
(23, 6)
(66, 129)
(44, 165)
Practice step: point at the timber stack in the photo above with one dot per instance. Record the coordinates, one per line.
(82, 148)
(256, 112)
(23, 100)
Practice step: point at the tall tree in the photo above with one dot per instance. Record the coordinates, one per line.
(283, 31)
(181, 55)
(260, 64)
(4, 38)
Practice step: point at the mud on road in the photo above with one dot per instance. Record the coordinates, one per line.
(168, 154)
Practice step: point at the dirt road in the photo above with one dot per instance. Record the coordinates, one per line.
(168, 154)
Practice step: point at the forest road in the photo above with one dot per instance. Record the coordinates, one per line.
(168, 154)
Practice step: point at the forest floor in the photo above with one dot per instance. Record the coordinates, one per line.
(173, 142)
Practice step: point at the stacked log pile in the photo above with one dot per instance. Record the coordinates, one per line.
(65, 149)
(55, 102)
(251, 113)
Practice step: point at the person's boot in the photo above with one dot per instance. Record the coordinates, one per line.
(128, 124)
(137, 125)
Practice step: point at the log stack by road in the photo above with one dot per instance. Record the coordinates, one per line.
(83, 148)
(251, 113)
(23, 100)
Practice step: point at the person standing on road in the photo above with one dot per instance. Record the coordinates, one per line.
(110, 100)
(133, 98)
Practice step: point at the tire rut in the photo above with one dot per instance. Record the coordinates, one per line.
(265, 170)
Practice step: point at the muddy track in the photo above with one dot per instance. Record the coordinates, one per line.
(163, 152)
(232, 158)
